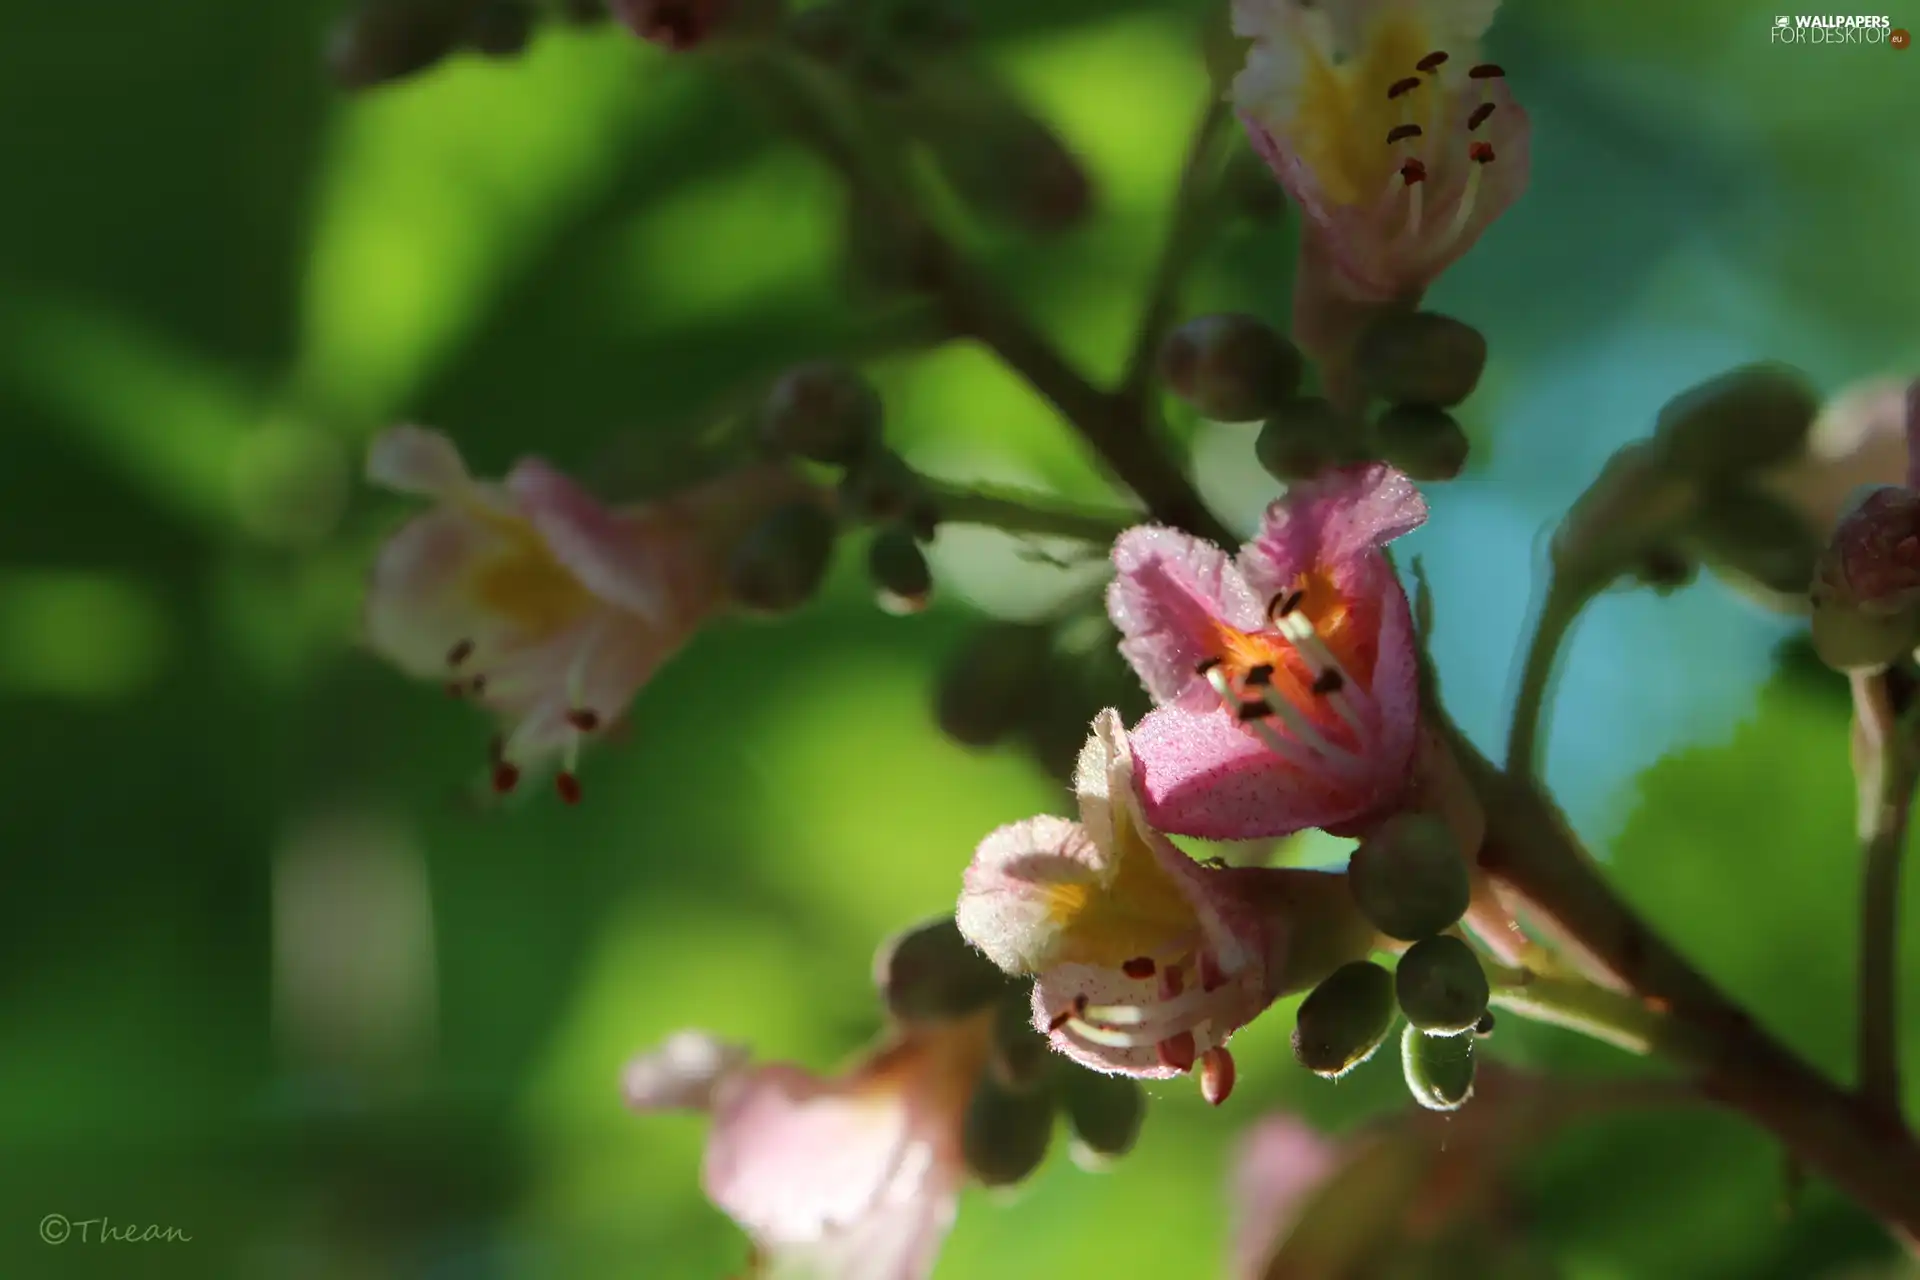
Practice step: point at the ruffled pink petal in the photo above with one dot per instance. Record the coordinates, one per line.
(1006, 898)
(683, 1074)
(1281, 1162)
(792, 1157)
(610, 555)
(417, 604)
(1055, 991)
(1330, 524)
(1170, 592)
(418, 461)
(1204, 775)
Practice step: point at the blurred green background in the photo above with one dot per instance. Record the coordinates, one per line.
(271, 981)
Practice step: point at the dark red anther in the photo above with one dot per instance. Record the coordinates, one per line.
(1328, 681)
(1059, 1020)
(583, 720)
(1139, 967)
(1217, 1075)
(1410, 172)
(1480, 153)
(1479, 116)
(505, 777)
(1486, 71)
(1260, 676)
(1401, 132)
(1252, 711)
(568, 786)
(1205, 665)
(1399, 87)
(1432, 62)
(459, 653)
(1282, 605)
(1178, 1052)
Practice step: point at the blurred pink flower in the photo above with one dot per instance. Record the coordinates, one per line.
(1858, 443)
(1287, 677)
(534, 600)
(1145, 960)
(1399, 145)
(849, 1177)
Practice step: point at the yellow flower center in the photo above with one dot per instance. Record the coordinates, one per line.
(1314, 598)
(1344, 112)
(1137, 909)
(523, 582)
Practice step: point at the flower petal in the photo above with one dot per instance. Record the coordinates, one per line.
(1329, 524)
(610, 555)
(415, 460)
(792, 1157)
(1057, 989)
(899, 1239)
(1020, 880)
(682, 1074)
(418, 604)
(1858, 443)
(1169, 595)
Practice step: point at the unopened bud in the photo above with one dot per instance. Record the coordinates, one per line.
(1231, 367)
(781, 562)
(1018, 1054)
(932, 973)
(1305, 437)
(1441, 987)
(1344, 1019)
(989, 683)
(880, 488)
(1425, 443)
(1006, 1132)
(1743, 421)
(389, 40)
(1439, 1069)
(1636, 502)
(1418, 357)
(501, 28)
(1104, 1112)
(1409, 879)
(899, 569)
(824, 412)
(1866, 587)
(1665, 569)
(1756, 536)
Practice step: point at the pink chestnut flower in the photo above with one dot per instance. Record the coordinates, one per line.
(1146, 961)
(533, 599)
(1397, 142)
(848, 1177)
(1287, 676)
(1866, 589)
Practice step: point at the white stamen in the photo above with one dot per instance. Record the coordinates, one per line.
(1463, 211)
(1301, 727)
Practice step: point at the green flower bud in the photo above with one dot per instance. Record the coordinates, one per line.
(1850, 636)
(1425, 443)
(1232, 368)
(1420, 358)
(899, 569)
(1409, 878)
(1006, 1132)
(390, 40)
(1484, 1027)
(1439, 1069)
(822, 411)
(881, 488)
(1755, 536)
(1666, 569)
(1305, 437)
(1019, 1055)
(781, 562)
(1637, 502)
(501, 28)
(1747, 420)
(988, 685)
(1441, 987)
(1344, 1019)
(931, 973)
(1104, 1112)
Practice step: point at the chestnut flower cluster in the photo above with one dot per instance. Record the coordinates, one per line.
(1286, 687)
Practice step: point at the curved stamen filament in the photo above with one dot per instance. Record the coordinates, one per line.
(1308, 750)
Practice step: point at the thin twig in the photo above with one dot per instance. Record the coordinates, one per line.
(1016, 511)
(1887, 769)
(1558, 610)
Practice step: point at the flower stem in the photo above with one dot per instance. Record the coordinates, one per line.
(1031, 513)
(1550, 628)
(1887, 769)
(1195, 206)
(1621, 1020)
(1731, 1059)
